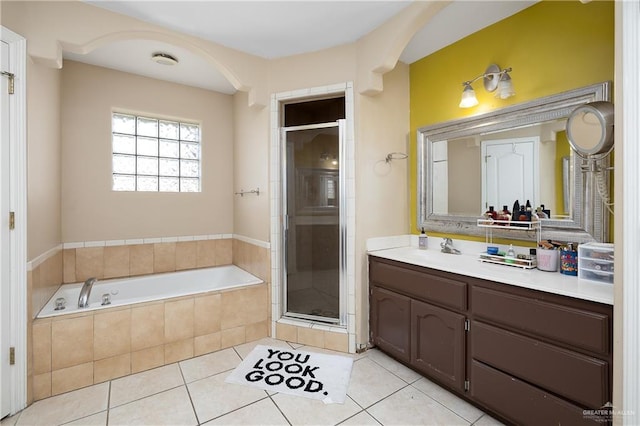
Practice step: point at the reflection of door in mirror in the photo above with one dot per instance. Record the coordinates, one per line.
(440, 177)
(510, 172)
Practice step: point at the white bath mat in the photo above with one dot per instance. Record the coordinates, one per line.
(308, 374)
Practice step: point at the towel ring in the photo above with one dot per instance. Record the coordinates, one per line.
(395, 156)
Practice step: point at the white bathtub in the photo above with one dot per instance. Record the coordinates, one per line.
(126, 291)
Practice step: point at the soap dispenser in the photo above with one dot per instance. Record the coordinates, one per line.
(422, 240)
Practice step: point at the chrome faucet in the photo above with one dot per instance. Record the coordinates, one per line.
(85, 292)
(447, 246)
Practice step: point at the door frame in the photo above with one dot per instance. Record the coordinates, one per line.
(275, 179)
(18, 204)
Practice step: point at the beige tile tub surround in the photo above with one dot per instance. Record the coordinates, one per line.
(81, 349)
(125, 340)
(127, 260)
(252, 258)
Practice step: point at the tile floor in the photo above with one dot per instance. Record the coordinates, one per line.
(193, 392)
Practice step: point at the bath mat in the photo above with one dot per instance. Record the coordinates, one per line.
(307, 374)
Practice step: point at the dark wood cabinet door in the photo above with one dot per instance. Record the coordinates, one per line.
(438, 343)
(391, 322)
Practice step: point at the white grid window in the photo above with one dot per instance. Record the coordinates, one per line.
(151, 154)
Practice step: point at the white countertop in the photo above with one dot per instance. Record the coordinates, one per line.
(468, 264)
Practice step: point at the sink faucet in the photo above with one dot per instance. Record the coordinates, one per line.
(83, 299)
(447, 246)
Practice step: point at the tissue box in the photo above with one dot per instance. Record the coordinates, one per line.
(595, 262)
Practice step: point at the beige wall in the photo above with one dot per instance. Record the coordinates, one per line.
(90, 209)
(382, 198)
(43, 159)
(322, 68)
(251, 169)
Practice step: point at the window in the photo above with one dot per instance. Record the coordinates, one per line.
(150, 154)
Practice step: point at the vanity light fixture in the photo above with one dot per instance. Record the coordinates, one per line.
(494, 78)
(164, 59)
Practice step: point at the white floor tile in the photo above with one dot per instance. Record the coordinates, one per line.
(487, 420)
(66, 407)
(10, 420)
(306, 411)
(449, 400)
(361, 419)
(409, 406)
(99, 419)
(212, 397)
(405, 373)
(209, 365)
(370, 383)
(246, 348)
(171, 407)
(263, 412)
(390, 392)
(140, 385)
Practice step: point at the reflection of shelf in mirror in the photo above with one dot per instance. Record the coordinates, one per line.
(502, 260)
(508, 224)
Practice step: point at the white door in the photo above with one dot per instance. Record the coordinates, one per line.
(5, 243)
(440, 177)
(509, 172)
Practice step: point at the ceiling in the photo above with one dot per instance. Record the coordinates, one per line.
(275, 29)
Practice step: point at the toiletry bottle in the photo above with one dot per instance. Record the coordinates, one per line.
(422, 240)
(506, 215)
(545, 211)
(511, 254)
(515, 210)
(491, 213)
(541, 214)
(522, 215)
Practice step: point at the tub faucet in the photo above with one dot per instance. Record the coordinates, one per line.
(447, 246)
(83, 299)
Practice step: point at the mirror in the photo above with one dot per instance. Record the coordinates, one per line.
(517, 153)
(590, 129)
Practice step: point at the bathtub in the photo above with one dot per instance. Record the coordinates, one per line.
(127, 291)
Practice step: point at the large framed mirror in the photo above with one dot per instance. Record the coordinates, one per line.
(459, 177)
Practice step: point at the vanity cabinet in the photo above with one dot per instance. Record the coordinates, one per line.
(527, 357)
(419, 319)
(391, 322)
(438, 343)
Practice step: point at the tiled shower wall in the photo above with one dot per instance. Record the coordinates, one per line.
(245, 313)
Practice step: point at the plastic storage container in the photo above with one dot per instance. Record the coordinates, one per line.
(595, 262)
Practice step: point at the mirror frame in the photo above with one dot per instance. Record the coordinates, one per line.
(589, 222)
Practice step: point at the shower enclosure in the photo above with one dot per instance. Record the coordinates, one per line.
(313, 221)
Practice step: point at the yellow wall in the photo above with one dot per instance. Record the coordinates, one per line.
(552, 47)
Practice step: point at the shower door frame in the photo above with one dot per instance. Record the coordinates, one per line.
(342, 218)
(281, 325)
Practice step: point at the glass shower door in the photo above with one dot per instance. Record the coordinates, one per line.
(313, 232)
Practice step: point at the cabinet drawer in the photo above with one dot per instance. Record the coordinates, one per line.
(421, 285)
(520, 402)
(577, 377)
(577, 327)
